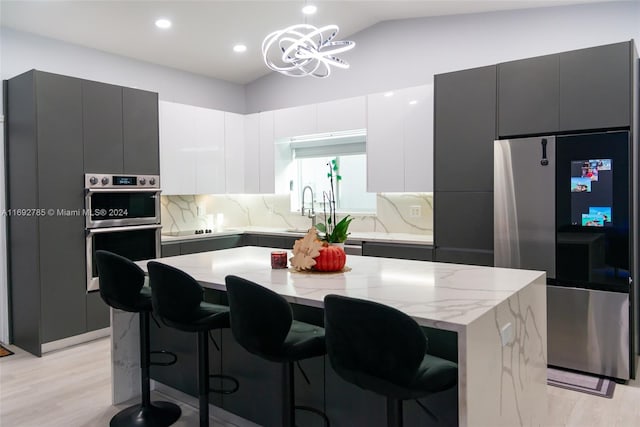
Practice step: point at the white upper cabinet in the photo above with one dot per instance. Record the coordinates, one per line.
(400, 140)
(341, 115)
(259, 151)
(267, 153)
(209, 152)
(234, 143)
(177, 164)
(192, 159)
(418, 139)
(295, 121)
(252, 153)
(332, 116)
(385, 153)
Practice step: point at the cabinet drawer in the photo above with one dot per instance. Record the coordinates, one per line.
(397, 250)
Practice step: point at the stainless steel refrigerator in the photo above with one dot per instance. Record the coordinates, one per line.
(563, 204)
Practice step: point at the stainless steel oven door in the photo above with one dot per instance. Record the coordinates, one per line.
(114, 207)
(136, 243)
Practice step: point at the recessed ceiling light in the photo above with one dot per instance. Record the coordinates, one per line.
(163, 23)
(388, 94)
(239, 48)
(309, 9)
(414, 102)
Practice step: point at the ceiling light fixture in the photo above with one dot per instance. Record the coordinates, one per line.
(304, 50)
(163, 23)
(240, 48)
(309, 9)
(388, 94)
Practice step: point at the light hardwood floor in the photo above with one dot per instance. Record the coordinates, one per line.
(70, 388)
(66, 388)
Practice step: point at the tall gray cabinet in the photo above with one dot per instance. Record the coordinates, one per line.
(58, 128)
(465, 127)
(577, 91)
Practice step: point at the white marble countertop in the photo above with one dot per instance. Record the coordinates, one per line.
(445, 296)
(420, 239)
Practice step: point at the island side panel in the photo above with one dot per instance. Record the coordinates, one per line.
(507, 385)
(125, 356)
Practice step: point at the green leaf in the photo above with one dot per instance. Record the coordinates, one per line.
(321, 228)
(335, 167)
(328, 175)
(338, 177)
(340, 231)
(333, 161)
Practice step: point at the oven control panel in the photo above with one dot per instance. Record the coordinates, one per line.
(97, 180)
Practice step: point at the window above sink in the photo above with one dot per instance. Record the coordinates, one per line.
(307, 164)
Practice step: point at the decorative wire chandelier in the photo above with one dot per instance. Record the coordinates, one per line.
(304, 50)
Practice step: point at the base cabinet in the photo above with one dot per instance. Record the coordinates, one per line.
(258, 398)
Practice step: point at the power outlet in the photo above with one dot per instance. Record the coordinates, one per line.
(415, 211)
(506, 334)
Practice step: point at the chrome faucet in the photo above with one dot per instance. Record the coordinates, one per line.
(311, 212)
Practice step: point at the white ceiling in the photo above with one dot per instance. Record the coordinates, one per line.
(203, 32)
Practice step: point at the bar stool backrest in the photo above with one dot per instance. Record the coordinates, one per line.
(372, 339)
(176, 295)
(120, 281)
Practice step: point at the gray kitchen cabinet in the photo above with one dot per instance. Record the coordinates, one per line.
(465, 105)
(170, 249)
(281, 242)
(270, 241)
(140, 132)
(249, 240)
(595, 87)
(58, 128)
(98, 312)
(214, 244)
(102, 127)
(464, 227)
(208, 244)
(44, 174)
(398, 250)
(528, 96)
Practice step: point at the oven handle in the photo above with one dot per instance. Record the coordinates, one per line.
(91, 231)
(122, 190)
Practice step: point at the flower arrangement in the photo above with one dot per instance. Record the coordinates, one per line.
(334, 232)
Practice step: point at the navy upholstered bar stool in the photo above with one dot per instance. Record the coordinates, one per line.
(122, 287)
(381, 349)
(262, 322)
(179, 301)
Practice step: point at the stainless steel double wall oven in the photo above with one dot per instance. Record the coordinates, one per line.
(122, 216)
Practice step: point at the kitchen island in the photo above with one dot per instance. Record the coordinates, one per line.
(497, 316)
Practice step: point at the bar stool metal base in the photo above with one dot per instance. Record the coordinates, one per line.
(157, 414)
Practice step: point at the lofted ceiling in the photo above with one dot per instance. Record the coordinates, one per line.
(203, 32)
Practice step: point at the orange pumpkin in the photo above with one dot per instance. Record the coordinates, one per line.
(331, 258)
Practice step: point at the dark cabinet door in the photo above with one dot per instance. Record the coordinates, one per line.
(398, 250)
(98, 313)
(170, 249)
(595, 88)
(213, 244)
(465, 117)
(60, 173)
(528, 96)
(102, 127)
(464, 227)
(140, 132)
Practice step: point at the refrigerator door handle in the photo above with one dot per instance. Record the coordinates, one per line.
(544, 161)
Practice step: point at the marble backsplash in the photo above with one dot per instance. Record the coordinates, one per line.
(217, 212)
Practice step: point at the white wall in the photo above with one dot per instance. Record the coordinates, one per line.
(398, 54)
(20, 52)
(24, 51)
